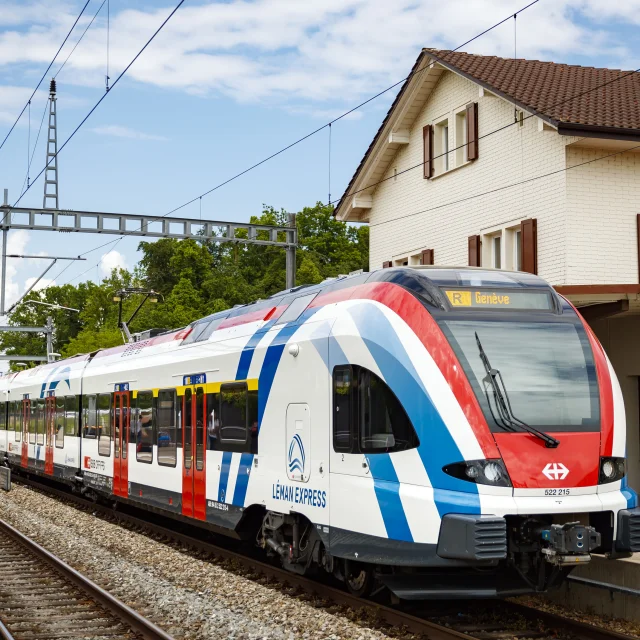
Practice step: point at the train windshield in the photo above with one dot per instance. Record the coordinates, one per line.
(547, 369)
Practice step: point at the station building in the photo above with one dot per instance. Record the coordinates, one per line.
(523, 165)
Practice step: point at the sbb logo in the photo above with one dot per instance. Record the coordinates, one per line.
(87, 462)
(555, 471)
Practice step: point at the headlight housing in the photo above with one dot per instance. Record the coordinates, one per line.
(491, 472)
(612, 470)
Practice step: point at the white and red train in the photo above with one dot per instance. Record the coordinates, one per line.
(443, 432)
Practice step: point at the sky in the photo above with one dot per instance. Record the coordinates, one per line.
(226, 84)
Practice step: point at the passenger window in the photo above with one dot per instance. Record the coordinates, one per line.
(15, 422)
(40, 422)
(342, 402)
(368, 418)
(104, 424)
(295, 309)
(238, 418)
(144, 427)
(70, 415)
(167, 428)
(59, 423)
(90, 418)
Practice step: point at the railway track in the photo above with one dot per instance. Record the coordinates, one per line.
(467, 620)
(42, 598)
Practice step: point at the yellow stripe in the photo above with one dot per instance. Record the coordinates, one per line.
(134, 394)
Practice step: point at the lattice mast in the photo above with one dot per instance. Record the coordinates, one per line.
(51, 171)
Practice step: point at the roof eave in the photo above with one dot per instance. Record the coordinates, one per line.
(596, 131)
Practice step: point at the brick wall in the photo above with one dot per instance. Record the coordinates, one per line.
(509, 156)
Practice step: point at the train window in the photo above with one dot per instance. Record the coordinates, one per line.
(144, 427)
(70, 415)
(197, 331)
(342, 408)
(59, 423)
(368, 418)
(210, 328)
(187, 433)
(200, 428)
(213, 421)
(90, 419)
(104, 424)
(167, 428)
(238, 418)
(40, 422)
(295, 309)
(29, 418)
(384, 424)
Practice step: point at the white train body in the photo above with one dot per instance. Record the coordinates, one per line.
(235, 423)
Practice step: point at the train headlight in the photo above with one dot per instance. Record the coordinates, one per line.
(491, 472)
(612, 469)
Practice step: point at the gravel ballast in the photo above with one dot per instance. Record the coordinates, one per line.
(188, 597)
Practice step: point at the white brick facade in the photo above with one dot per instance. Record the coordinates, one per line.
(586, 216)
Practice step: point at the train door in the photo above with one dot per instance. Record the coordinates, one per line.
(194, 433)
(50, 425)
(121, 441)
(26, 416)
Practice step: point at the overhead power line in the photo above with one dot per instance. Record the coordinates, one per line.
(44, 75)
(345, 114)
(97, 104)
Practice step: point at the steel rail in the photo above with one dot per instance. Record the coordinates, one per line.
(393, 617)
(120, 610)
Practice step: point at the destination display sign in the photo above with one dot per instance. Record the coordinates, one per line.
(499, 299)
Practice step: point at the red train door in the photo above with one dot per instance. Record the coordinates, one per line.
(50, 425)
(26, 416)
(121, 442)
(194, 433)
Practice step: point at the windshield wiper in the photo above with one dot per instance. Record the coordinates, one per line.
(507, 419)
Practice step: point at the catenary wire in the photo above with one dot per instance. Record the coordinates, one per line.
(345, 114)
(45, 73)
(95, 15)
(328, 124)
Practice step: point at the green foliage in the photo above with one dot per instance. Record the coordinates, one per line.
(194, 278)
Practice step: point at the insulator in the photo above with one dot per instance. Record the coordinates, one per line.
(52, 87)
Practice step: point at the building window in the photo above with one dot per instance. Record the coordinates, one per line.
(441, 146)
(496, 252)
(517, 251)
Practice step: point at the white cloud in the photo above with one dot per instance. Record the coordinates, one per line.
(16, 244)
(331, 53)
(110, 261)
(42, 284)
(125, 132)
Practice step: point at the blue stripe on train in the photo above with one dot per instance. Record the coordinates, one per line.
(437, 446)
(224, 475)
(242, 481)
(387, 489)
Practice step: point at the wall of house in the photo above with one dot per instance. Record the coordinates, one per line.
(602, 205)
(620, 337)
(509, 156)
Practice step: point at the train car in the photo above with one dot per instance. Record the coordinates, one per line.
(444, 433)
(42, 411)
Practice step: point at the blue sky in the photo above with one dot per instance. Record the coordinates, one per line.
(227, 84)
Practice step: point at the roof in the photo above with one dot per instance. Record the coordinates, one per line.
(564, 93)
(585, 101)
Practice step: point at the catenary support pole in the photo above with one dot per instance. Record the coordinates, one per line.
(292, 240)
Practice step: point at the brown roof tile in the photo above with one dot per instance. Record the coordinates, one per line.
(562, 92)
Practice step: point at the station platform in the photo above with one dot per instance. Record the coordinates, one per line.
(617, 600)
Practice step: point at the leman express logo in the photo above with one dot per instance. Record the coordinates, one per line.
(56, 376)
(555, 471)
(296, 455)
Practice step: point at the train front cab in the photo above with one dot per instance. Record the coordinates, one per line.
(519, 479)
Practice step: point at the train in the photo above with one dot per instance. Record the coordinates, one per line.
(433, 432)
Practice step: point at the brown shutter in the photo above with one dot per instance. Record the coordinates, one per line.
(386, 265)
(529, 245)
(638, 220)
(427, 256)
(472, 131)
(474, 251)
(427, 151)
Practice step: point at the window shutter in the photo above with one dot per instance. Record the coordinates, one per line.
(386, 265)
(472, 131)
(529, 245)
(427, 256)
(427, 151)
(474, 251)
